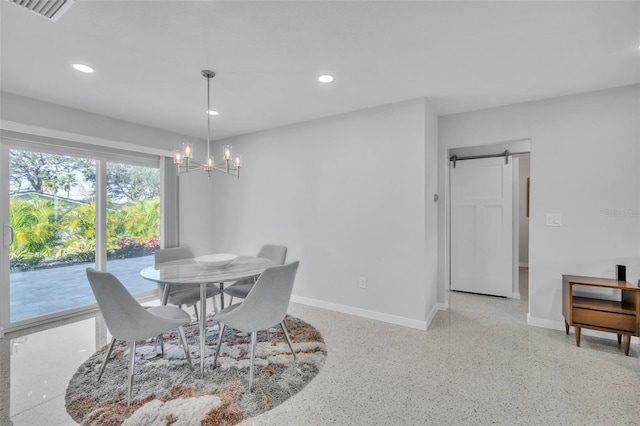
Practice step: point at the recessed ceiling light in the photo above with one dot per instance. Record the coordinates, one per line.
(212, 112)
(325, 78)
(83, 68)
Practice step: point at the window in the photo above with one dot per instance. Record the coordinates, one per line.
(133, 222)
(52, 214)
(58, 197)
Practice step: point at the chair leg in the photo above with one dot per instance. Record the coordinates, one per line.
(183, 339)
(286, 335)
(132, 349)
(106, 358)
(230, 300)
(215, 359)
(161, 340)
(215, 305)
(254, 337)
(195, 308)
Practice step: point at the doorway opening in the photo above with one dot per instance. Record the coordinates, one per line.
(489, 203)
(524, 209)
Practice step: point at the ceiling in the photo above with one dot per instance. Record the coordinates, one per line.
(267, 55)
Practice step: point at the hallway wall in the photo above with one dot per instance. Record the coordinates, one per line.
(584, 165)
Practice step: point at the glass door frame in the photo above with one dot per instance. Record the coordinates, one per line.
(58, 147)
(7, 238)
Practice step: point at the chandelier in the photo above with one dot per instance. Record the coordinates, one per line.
(183, 159)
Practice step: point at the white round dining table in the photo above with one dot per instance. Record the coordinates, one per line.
(189, 271)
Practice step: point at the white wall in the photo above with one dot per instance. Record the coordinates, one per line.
(346, 194)
(31, 112)
(523, 220)
(197, 206)
(584, 165)
(431, 212)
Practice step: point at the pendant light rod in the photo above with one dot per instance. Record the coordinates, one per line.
(208, 74)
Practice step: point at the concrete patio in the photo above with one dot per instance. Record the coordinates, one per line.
(44, 291)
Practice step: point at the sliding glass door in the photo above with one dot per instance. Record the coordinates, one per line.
(52, 215)
(54, 229)
(133, 222)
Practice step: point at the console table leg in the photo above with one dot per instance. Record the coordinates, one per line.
(578, 330)
(627, 340)
(566, 327)
(619, 338)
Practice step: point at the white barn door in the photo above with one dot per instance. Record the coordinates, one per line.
(481, 226)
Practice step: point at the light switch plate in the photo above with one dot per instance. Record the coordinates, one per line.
(554, 219)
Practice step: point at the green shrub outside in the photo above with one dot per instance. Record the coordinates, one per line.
(50, 232)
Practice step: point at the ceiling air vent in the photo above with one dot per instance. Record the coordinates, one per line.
(50, 9)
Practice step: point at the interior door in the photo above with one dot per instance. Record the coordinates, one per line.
(481, 226)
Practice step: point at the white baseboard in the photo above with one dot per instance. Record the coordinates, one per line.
(432, 314)
(379, 316)
(559, 325)
(544, 323)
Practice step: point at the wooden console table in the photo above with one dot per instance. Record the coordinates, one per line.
(620, 317)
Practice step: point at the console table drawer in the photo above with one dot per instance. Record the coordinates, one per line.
(602, 319)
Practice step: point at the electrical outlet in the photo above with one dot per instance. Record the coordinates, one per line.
(362, 282)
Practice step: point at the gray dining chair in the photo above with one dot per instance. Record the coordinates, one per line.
(242, 287)
(129, 321)
(186, 294)
(265, 307)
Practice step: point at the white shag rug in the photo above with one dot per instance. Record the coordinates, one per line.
(166, 392)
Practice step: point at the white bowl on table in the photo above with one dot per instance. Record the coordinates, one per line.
(216, 260)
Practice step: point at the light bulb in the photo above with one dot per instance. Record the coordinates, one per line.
(227, 152)
(188, 150)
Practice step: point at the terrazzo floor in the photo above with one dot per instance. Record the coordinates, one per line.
(478, 363)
